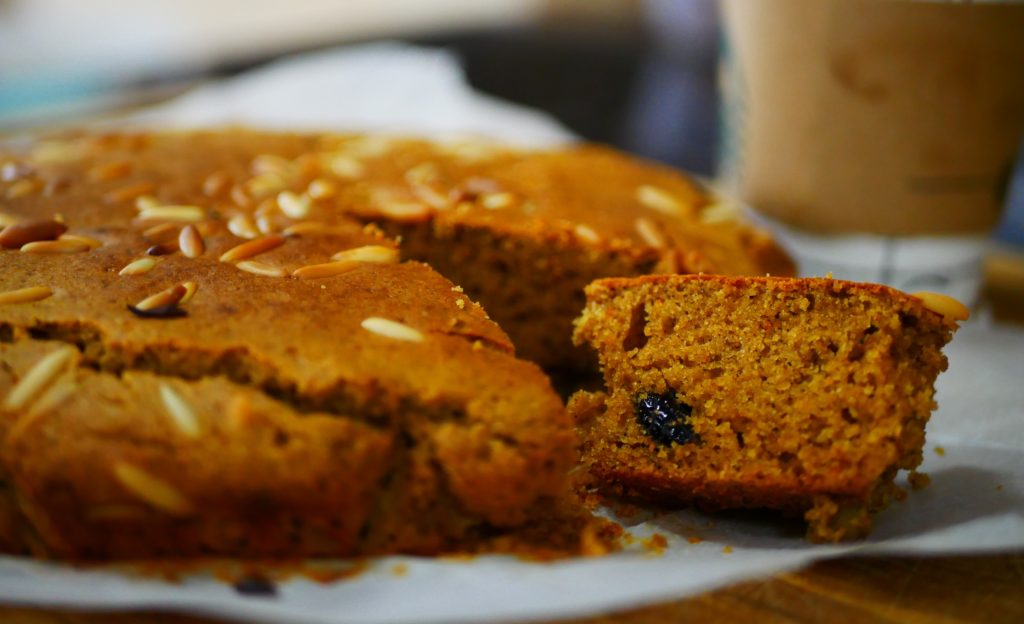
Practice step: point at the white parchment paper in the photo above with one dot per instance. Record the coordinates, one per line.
(975, 503)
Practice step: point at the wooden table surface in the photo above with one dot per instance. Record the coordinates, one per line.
(892, 589)
(854, 589)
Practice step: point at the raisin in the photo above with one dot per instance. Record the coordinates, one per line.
(664, 418)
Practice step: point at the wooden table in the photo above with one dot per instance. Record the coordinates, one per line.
(986, 589)
(907, 590)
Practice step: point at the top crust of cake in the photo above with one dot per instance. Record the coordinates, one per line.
(522, 231)
(600, 289)
(599, 198)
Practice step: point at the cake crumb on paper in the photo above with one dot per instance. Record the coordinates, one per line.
(919, 480)
(656, 544)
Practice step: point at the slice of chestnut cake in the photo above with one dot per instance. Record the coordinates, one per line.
(806, 395)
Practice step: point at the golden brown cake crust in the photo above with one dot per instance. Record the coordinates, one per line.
(806, 395)
(522, 231)
(269, 414)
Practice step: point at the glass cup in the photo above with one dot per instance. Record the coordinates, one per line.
(876, 137)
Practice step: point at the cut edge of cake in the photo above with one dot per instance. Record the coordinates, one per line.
(806, 395)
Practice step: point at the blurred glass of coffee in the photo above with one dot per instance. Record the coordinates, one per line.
(876, 137)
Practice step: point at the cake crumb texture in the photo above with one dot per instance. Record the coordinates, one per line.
(805, 395)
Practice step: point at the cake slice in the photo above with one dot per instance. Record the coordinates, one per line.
(805, 395)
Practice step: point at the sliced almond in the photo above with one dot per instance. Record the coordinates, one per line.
(57, 246)
(161, 233)
(139, 266)
(265, 184)
(328, 269)
(346, 166)
(182, 214)
(423, 173)
(16, 235)
(651, 233)
(271, 163)
(950, 309)
(657, 198)
(430, 196)
(151, 489)
(587, 234)
(129, 193)
(497, 201)
(375, 254)
(191, 242)
(180, 411)
(252, 248)
(241, 225)
(321, 189)
(215, 184)
(403, 211)
(25, 295)
(261, 268)
(190, 291)
(45, 371)
(171, 296)
(293, 205)
(145, 202)
(92, 243)
(392, 329)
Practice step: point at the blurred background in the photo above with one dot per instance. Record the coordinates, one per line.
(639, 74)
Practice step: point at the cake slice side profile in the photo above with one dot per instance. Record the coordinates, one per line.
(805, 395)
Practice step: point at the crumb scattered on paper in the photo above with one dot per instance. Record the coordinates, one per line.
(919, 480)
(655, 544)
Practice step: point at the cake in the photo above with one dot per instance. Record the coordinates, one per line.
(522, 231)
(177, 382)
(803, 395)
